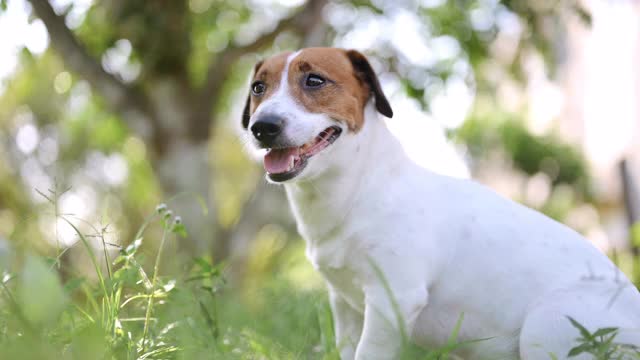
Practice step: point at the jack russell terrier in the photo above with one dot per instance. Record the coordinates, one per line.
(407, 252)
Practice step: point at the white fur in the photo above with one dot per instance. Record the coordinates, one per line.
(446, 248)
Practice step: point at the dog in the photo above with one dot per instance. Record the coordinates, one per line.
(407, 253)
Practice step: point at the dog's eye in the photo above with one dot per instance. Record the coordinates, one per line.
(314, 81)
(258, 88)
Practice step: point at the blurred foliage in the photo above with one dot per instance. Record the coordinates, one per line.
(504, 139)
(130, 313)
(474, 25)
(530, 153)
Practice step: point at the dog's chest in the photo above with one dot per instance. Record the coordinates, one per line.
(344, 281)
(339, 271)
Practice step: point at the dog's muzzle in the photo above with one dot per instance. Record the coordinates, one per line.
(267, 130)
(284, 163)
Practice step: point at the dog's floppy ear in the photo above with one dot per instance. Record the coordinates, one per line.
(246, 113)
(365, 72)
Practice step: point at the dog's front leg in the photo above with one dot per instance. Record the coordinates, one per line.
(347, 324)
(387, 319)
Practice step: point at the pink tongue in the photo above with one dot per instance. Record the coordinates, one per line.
(277, 160)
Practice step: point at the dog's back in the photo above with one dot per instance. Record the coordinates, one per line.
(518, 272)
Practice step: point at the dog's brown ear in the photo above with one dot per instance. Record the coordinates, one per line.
(246, 113)
(365, 72)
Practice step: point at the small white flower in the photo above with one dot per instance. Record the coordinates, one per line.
(161, 208)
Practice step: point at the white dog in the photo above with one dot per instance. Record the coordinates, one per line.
(406, 251)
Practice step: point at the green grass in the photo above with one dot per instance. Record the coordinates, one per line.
(601, 344)
(127, 308)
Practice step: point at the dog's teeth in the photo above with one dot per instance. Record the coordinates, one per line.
(291, 163)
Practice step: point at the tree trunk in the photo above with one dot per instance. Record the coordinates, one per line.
(185, 176)
(181, 163)
(267, 205)
(631, 197)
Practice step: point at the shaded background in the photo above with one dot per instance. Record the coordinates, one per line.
(108, 108)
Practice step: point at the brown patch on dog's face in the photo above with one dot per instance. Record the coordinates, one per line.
(341, 95)
(269, 73)
(332, 81)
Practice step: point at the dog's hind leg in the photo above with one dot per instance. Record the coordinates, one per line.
(547, 332)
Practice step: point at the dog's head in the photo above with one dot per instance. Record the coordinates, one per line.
(300, 104)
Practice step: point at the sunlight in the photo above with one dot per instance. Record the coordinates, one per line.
(610, 99)
(33, 36)
(27, 138)
(423, 138)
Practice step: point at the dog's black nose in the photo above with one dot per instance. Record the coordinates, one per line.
(267, 129)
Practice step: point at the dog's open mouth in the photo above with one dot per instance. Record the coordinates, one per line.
(285, 163)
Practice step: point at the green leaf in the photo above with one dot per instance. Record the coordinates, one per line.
(73, 284)
(326, 329)
(604, 331)
(203, 264)
(583, 14)
(40, 293)
(133, 247)
(89, 343)
(635, 234)
(456, 329)
(179, 229)
(583, 331)
(579, 349)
